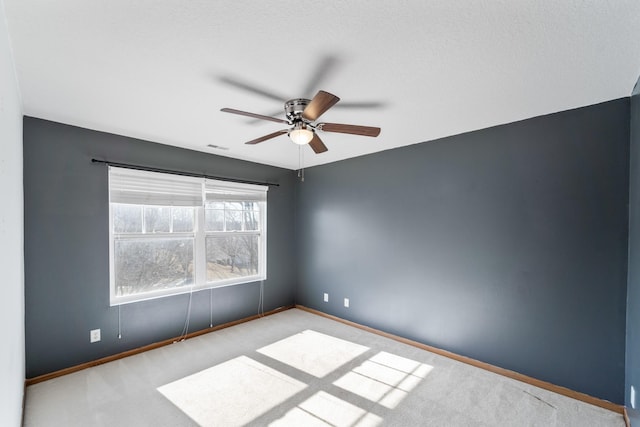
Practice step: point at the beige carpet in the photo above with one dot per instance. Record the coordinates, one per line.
(298, 369)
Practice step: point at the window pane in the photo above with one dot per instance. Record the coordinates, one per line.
(126, 218)
(214, 220)
(251, 220)
(234, 206)
(157, 219)
(182, 219)
(231, 256)
(149, 265)
(233, 220)
(251, 206)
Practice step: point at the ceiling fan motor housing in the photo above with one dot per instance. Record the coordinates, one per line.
(293, 108)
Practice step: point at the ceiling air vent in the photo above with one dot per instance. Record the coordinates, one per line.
(218, 147)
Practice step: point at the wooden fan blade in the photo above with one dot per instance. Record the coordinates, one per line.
(352, 129)
(317, 145)
(252, 88)
(264, 138)
(254, 115)
(319, 105)
(326, 64)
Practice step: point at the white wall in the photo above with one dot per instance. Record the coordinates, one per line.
(12, 361)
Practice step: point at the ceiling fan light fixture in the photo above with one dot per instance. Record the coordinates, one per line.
(301, 134)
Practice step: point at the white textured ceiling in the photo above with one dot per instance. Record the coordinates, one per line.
(420, 69)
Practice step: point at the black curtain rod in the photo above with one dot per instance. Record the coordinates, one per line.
(173, 172)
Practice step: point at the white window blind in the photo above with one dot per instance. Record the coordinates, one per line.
(232, 192)
(153, 188)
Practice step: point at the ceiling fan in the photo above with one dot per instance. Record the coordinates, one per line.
(302, 115)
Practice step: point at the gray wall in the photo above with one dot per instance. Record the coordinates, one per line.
(508, 245)
(66, 247)
(11, 237)
(633, 284)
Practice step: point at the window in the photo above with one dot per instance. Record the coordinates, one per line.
(172, 234)
(234, 224)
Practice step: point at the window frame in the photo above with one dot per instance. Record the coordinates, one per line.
(221, 190)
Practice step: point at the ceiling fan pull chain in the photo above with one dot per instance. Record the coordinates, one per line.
(300, 163)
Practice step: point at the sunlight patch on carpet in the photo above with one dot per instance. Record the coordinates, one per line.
(324, 409)
(385, 378)
(314, 353)
(232, 393)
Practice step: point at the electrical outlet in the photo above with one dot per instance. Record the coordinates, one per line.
(326, 297)
(633, 397)
(346, 302)
(94, 335)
